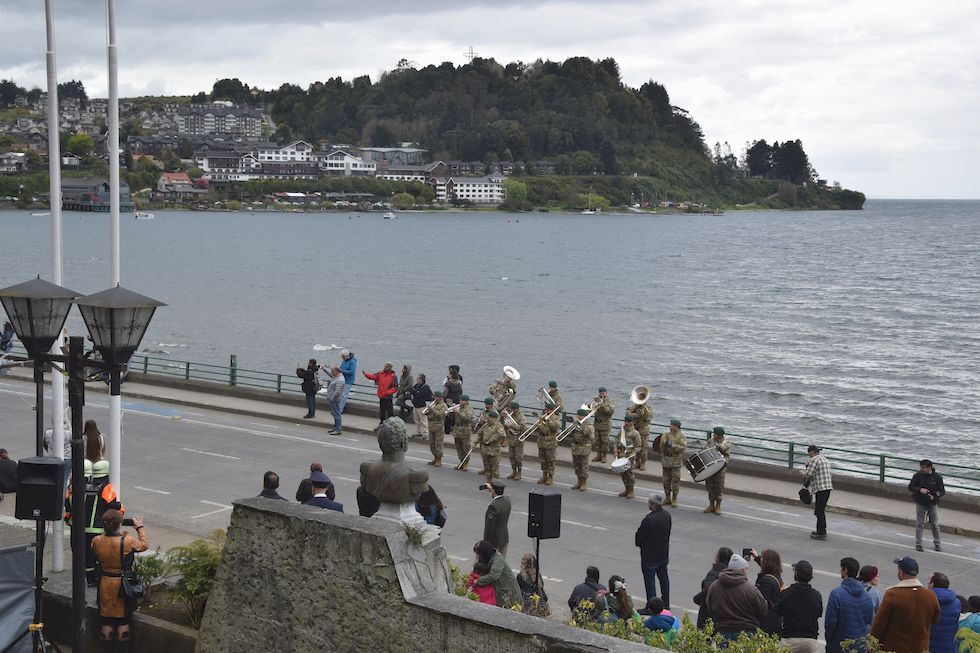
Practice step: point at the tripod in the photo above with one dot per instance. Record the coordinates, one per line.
(36, 629)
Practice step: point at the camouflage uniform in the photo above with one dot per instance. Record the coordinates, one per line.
(503, 385)
(437, 413)
(516, 446)
(716, 484)
(556, 398)
(581, 436)
(633, 443)
(488, 439)
(603, 423)
(547, 445)
(672, 445)
(462, 430)
(642, 416)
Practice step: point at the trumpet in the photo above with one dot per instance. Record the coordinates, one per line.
(640, 395)
(428, 407)
(453, 409)
(575, 422)
(526, 434)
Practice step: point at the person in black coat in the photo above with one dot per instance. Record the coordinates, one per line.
(320, 498)
(721, 563)
(270, 486)
(586, 590)
(305, 490)
(8, 473)
(800, 606)
(927, 488)
(653, 539)
(309, 386)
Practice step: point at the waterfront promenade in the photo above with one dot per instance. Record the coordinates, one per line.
(188, 454)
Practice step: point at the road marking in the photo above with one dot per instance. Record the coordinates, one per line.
(347, 478)
(912, 537)
(460, 558)
(554, 580)
(222, 507)
(570, 522)
(779, 512)
(208, 453)
(147, 489)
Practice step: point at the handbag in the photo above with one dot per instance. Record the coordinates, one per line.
(805, 496)
(131, 588)
(441, 518)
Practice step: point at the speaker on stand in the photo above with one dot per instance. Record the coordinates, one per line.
(543, 521)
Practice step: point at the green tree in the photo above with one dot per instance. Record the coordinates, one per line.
(402, 201)
(9, 91)
(515, 194)
(195, 173)
(758, 159)
(787, 193)
(80, 145)
(73, 89)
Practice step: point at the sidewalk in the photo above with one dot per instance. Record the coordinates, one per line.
(865, 504)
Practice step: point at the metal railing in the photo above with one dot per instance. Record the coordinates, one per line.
(885, 468)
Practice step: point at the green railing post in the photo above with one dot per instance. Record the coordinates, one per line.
(881, 468)
(278, 382)
(187, 371)
(233, 370)
(146, 364)
(792, 456)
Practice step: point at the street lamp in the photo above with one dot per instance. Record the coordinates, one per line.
(116, 320)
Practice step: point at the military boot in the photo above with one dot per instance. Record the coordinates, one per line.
(623, 493)
(517, 474)
(673, 500)
(577, 484)
(711, 506)
(629, 494)
(431, 462)
(544, 477)
(642, 466)
(465, 465)
(718, 507)
(581, 487)
(437, 462)
(550, 480)
(599, 458)
(513, 473)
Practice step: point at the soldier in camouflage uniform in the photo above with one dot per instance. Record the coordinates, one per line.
(603, 421)
(672, 444)
(581, 448)
(633, 443)
(716, 484)
(516, 446)
(546, 434)
(488, 439)
(478, 422)
(436, 414)
(555, 397)
(463, 429)
(642, 416)
(503, 385)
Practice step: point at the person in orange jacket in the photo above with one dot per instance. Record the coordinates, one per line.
(387, 384)
(100, 496)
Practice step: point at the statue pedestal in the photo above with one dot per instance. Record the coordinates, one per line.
(404, 513)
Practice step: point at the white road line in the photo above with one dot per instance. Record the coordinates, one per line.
(147, 489)
(460, 558)
(569, 522)
(347, 479)
(222, 508)
(208, 453)
(553, 580)
(220, 505)
(779, 512)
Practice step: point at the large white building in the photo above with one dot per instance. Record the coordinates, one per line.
(339, 162)
(479, 190)
(296, 151)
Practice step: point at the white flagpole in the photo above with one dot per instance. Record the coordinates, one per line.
(54, 193)
(113, 442)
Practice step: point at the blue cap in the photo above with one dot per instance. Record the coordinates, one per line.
(908, 565)
(319, 479)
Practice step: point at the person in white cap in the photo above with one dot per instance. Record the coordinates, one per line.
(734, 604)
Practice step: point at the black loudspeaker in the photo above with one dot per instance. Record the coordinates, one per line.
(544, 514)
(40, 489)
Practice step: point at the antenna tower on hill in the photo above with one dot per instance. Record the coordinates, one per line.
(469, 54)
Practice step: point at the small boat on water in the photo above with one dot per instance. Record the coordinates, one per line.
(390, 216)
(143, 215)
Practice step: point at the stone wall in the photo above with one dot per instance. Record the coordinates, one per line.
(295, 579)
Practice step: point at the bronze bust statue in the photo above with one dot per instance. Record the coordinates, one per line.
(390, 479)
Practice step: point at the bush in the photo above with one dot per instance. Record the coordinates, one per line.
(150, 568)
(197, 566)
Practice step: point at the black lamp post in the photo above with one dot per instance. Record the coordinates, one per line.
(116, 320)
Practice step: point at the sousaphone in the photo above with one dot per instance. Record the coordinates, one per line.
(512, 373)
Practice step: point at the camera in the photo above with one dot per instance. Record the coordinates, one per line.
(747, 554)
(127, 522)
(484, 486)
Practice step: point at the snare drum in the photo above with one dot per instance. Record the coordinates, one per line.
(621, 465)
(705, 464)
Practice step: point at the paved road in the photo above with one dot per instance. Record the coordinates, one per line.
(184, 467)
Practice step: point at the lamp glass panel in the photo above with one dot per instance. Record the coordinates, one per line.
(117, 332)
(37, 322)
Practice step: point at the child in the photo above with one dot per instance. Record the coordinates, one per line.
(659, 619)
(486, 593)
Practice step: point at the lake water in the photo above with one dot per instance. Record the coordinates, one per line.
(857, 329)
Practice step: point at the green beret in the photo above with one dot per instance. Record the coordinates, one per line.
(488, 401)
(719, 430)
(464, 397)
(602, 389)
(492, 413)
(628, 418)
(675, 422)
(514, 404)
(582, 411)
(550, 404)
(552, 384)
(438, 393)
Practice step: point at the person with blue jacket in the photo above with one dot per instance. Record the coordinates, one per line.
(943, 632)
(849, 610)
(348, 367)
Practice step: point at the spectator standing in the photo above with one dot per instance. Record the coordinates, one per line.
(849, 609)
(65, 448)
(587, 589)
(500, 575)
(320, 499)
(6, 344)
(800, 606)
(452, 390)
(907, 612)
(116, 552)
(972, 620)
(348, 367)
(817, 473)
(387, 387)
(93, 441)
(869, 576)
(653, 539)
(720, 564)
(309, 386)
(305, 490)
(943, 632)
(927, 488)
(403, 397)
(734, 604)
(270, 486)
(8, 473)
(769, 582)
(421, 395)
(497, 517)
(100, 497)
(335, 399)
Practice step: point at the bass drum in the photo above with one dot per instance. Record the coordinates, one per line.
(705, 464)
(657, 445)
(621, 465)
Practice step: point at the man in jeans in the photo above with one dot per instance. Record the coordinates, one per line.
(653, 539)
(817, 472)
(927, 487)
(335, 397)
(348, 367)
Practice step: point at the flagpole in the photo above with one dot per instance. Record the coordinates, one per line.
(113, 441)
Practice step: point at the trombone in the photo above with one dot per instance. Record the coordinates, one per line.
(575, 422)
(480, 423)
(466, 457)
(526, 434)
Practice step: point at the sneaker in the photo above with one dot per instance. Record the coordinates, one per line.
(918, 547)
(307, 416)
(939, 548)
(818, 536)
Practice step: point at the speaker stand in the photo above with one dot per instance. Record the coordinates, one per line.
(36, 629)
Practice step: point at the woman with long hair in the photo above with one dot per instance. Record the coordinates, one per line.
(530, 583)
(116, 551)
(429, 505)
(770, 584)
(618, 601)
(94, 442)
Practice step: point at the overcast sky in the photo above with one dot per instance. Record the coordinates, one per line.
(883, 93)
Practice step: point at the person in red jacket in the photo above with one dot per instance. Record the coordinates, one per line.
(387, 384)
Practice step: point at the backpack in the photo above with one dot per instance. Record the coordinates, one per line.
(316, 382)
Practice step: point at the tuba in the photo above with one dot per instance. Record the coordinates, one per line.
(542, 396)
(640, 395)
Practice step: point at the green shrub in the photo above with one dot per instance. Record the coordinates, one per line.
(197, 566)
